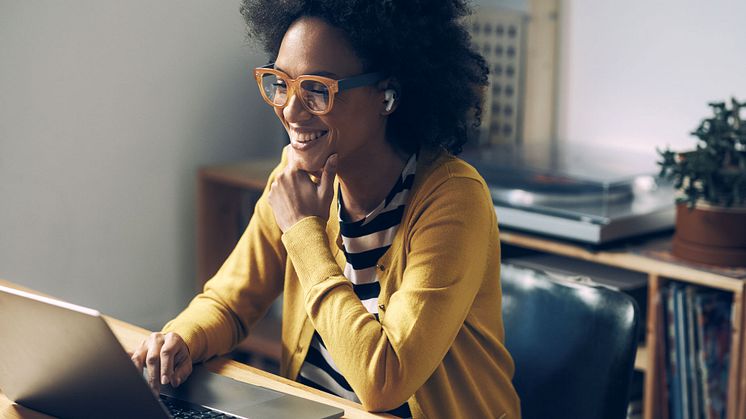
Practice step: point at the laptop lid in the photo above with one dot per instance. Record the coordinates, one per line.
(64, 360)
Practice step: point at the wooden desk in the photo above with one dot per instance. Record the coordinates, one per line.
(130, 337)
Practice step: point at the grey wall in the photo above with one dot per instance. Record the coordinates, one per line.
(638, 73)
(107, 108)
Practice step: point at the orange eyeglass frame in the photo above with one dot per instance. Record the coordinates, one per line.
(334, 86)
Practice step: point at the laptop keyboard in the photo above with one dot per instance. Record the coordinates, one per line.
(180, 409)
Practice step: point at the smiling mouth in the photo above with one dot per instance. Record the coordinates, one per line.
(304, 137)
(303, 141)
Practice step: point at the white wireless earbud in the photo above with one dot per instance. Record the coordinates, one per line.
(390, 97)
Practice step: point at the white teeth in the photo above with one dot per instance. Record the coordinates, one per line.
(304, 137)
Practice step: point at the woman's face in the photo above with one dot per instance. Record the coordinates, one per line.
(355, 125)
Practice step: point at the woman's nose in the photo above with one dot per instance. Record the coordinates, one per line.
(294, 111)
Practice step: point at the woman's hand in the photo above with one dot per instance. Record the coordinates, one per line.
(167, 358)
(293, 196)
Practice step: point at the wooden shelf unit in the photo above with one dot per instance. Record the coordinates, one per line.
(648, 356)
(227, 193)
(224, 192)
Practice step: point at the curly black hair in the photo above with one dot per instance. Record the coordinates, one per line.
(422, 44)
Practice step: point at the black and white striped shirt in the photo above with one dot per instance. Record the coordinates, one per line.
(365, 241)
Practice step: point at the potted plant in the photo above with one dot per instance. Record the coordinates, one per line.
(711, 180)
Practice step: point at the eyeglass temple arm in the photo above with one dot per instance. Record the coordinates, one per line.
(362, 80)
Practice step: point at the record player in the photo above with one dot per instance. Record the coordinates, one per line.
(576, 192)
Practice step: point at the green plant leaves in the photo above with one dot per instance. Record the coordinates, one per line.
(715, 171)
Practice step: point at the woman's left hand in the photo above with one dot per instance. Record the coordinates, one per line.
(293, 196)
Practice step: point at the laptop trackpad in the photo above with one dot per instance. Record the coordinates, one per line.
(212, 390)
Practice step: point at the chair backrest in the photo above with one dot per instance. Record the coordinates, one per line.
(573, 344)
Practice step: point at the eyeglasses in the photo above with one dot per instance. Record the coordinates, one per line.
(316, 93)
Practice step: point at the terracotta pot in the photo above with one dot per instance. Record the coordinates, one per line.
(710, 234)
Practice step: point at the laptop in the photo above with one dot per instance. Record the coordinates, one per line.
(63, 360)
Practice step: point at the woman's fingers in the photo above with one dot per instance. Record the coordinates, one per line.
(153, 360)
(167, 359)
(326, 184)
(174, 355)
(138, 357)
(294, 195)
(167, 363)
(182, 371)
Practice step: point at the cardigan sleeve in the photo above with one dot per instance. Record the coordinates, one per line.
(241, 291)
(386, 362)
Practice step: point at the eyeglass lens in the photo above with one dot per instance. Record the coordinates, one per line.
(314, 94)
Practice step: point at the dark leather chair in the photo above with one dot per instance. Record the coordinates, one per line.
(573, 344)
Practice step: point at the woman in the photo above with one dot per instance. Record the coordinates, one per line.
(384, 245)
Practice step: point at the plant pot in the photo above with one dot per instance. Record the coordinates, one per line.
(710, 234)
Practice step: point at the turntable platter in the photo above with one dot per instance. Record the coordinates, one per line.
(543, 189)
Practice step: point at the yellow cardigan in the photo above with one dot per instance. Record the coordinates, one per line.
(439, 341)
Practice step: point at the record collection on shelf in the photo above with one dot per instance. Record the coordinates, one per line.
(698, 343)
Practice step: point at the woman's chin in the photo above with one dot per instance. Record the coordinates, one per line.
(309, 162)
(310, 167)
(312, 159)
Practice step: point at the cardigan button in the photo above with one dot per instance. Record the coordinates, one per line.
(380, 267)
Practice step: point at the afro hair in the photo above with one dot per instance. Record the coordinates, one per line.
(422, 44)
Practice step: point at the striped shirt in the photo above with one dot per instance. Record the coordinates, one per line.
(365, 241)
